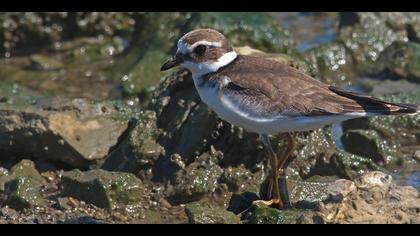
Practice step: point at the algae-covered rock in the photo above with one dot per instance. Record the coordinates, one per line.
(368, 143)
(240, 179)
(240, 202)
(366, 35)
(22, 186)
(401, 60)
(196, 180)
(42, 62)
(202, 213)
(25, 168)
(103, 188)
(139, 149)
(332, 63)
(23, 192)
(262, 214)
(258, 30)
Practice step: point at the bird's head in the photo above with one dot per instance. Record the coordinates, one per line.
(202, 51)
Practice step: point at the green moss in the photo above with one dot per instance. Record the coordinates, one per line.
(24, 192)
(102, 188)
(256, 29)
(201, 213)
(262, 214)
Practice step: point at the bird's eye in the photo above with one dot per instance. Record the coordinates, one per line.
(200, 49)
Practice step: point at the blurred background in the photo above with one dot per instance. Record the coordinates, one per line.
(56, 63)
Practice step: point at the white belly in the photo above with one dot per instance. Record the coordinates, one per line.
(230, 112)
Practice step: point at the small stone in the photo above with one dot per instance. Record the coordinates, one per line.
(165, 203)
(103, 188)
(203, 213)
(339, 189)
(262, 214)
(240, 202)
(417, 155)
(374, 179)
(23, 192)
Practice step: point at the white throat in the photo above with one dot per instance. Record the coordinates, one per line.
(202, 68)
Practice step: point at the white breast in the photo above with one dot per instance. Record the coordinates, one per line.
(229, 110)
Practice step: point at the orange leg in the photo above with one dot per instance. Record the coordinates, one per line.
(277, 192)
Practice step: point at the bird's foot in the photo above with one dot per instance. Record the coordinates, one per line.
(271, 203)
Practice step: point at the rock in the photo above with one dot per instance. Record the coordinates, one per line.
(400, 60)
(75, 132)
(332, 63)
(374, 200)
(241, 179)
(24, 168)
(258, 30)
(374, 179)
(23, 192)
(309, 192)
(42, 62)
(3, 171)
(199, 213)
(102, 188)
(195, 181)
(340, 189)
(22, 186)
(139, 150)
(417, 155)
(262, 214)
(369, 144)
(240, 202)
(367, 34)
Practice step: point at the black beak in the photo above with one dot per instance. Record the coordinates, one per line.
(175, 61)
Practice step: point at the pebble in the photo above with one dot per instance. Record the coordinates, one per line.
(417, 155)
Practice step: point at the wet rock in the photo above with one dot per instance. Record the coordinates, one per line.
(75, 132)
(369, 144)
(262, 214)
(307, 193)
(42, 62)
(374, 179)
(24, 168)
(196, 180)
(21, 186)
(259, 30)
(23, 192)
(374, 200)
(201, 213)
(240, 202)
(367, 34)
(400, 60)
(332, 63)
(417, 155)
(139, 150)
(102, 188)
(47, 29)
(241, 179)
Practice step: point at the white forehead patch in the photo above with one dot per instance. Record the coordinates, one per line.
(186, 48)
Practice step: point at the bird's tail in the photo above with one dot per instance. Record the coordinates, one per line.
(378, 106)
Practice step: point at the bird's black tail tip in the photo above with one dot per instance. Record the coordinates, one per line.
(403, 108)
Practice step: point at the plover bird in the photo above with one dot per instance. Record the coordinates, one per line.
(269, 97)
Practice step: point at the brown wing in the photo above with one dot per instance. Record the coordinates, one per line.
(279, 88)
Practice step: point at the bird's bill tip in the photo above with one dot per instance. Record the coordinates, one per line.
(173, 62)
